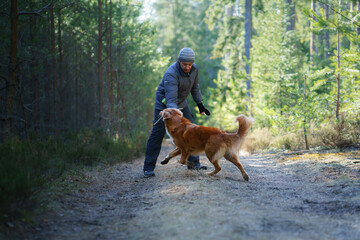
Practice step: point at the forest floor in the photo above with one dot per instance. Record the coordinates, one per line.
(300, 195)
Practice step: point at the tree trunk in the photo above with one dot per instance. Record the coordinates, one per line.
(100, 76)
(352, 2)
(174, 8)
(248, 25)
(77, 108)
(326, 33)
(117, 78)
(12, 83)
(121, 104)
(54, 72)
(337, 20)
(47, 85)
(34, 78)
(290, 9)
(120, 101)
(110, 82)
(312, 36)
(358, 11)
(305, 120)
(338, 76)
(61, 80)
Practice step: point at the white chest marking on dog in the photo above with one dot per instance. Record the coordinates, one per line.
(167, 132)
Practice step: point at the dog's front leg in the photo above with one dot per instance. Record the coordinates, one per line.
(184, 156)
(172, 154)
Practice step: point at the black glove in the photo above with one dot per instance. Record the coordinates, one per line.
(203, 109)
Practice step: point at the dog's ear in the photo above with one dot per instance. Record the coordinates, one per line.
(179, 112)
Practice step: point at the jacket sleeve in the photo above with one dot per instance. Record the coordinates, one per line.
(195, 91)
(171, 90)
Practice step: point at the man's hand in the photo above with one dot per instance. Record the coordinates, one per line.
(203, 110)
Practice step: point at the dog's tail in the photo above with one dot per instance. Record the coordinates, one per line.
(244, 124)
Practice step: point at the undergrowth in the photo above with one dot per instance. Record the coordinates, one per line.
(335, 134)
(25, 166)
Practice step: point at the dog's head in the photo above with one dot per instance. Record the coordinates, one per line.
(170, 113)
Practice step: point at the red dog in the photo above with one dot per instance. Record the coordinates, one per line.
(192, 139)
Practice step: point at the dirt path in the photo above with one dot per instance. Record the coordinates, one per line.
(288, 197)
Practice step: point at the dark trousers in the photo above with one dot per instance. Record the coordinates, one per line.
(156, 137)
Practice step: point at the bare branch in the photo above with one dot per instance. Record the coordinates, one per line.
(37, 12)
(3, 78)
(67, 5)
(104, 59)
(30, 13)
(335, 11)
(4, 13)
(27, 107)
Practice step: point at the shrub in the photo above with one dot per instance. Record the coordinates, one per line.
(26, 166)
(264, 140)
(259, 139)
(338, 133)
(289, 141)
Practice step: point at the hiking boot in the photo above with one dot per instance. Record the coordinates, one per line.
(148, 174)
(196, 167)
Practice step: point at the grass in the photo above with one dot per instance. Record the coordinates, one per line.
(334, 134)
(27, 166)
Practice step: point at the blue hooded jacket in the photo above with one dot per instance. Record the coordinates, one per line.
(176, 86)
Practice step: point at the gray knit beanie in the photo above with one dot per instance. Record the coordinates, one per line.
(186, 55)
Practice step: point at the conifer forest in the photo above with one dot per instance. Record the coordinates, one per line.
(72, 65)
(78, 78)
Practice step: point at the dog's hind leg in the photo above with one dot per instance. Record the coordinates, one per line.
(232, 157)
(217, 168)
(214, 158)
(172, 154)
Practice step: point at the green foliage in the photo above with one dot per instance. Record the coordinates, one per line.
(350, 72)
(277, 75)
(26, 166)
(135, 66)
(288, 94)
(323, 87)
(228, 97)
(89, 147)
(335, 23)
(184, 26)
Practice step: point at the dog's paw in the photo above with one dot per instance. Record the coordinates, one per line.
(165, 161)
(182, 162)
(210, 173)
(246, 177)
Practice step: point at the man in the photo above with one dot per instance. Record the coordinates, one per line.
(179, 80)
